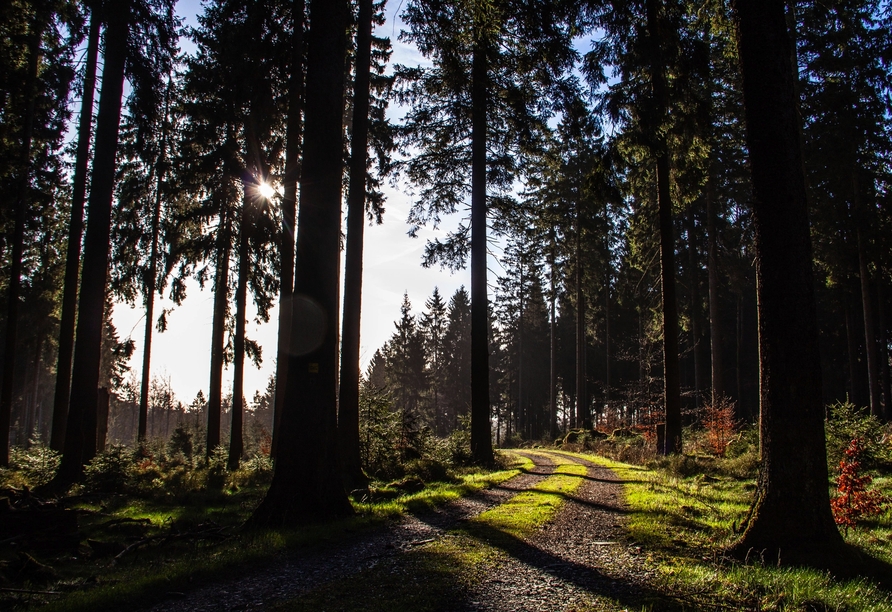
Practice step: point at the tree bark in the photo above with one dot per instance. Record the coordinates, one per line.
(75, 233)
(81, 425)
(18, 239)
(552, 328)
(289, 212)
(884, 352)
(218, 330)
(481, 436)
(790, 520)
(236, 441)
(870, 341)
(583, 416)
(694, 281)
(306, 484)
(671, 374)
(715, 328)
(151, 275)
(348, 397)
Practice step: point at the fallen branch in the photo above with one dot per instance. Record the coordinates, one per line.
(29, 592)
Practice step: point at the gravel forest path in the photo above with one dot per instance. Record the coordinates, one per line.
(579, 560)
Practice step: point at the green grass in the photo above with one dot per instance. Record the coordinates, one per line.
(685, 522)
(153, 572)
(438, 575)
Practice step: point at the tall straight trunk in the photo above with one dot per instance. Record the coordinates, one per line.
(80, 432)
(18, 239)
(348, 396)
(481, 438)
(236, 442)
(523, 417)
(671, 374)
(75, 233)
(289, 211)
(694, 266)
(715, 329)
(151, 275)
(607, 337)
(583, 416)
(790, 519)
(552, 378)
(852, 351)
(306, 483)
(870, 340)
(883, 354)
(218, 330)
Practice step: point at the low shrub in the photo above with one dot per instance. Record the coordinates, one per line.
(30, 467)
(110, 471)
(846, 422)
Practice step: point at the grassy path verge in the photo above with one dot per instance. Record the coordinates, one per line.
(685, 522)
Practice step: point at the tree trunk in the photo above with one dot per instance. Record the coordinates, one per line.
(481, 437)
(289, 211)
(552, 324)
(18, 240)
(671, 375)
(75, 233)
(218, 330)
(306, 484)
(695, 303)
(81, 425)
(715, 328)
(852, 351)
(884, 352)
(790, 520)
(870, 342)
(151, 275)
(348, 397)
(583, 416)
(236, 442)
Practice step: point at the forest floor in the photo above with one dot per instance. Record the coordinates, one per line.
(552, 538)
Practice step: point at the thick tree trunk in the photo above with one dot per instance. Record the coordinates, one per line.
(151, 275)
(870, 341)
(218, 330)
(306, 483)
(75, 233)
(81, 425)
(236, 442)
(671, 374)
(790, 520)
(481, 437)
(348, 397)
(18, 239)
(289, 211)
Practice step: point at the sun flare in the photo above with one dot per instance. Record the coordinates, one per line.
(266, 190)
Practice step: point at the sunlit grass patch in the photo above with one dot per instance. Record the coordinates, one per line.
(688, 521)
(152, 572)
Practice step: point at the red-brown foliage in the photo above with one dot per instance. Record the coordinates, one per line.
(720, 424)
(853, 500)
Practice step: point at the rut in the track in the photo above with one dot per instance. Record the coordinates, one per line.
(578, 561)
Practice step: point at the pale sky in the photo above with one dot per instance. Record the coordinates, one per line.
(392, 266)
